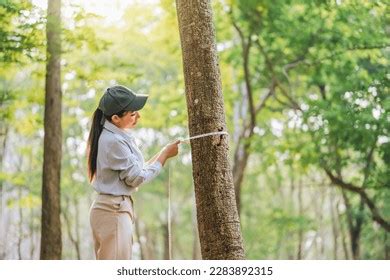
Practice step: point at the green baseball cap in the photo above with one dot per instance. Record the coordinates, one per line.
(118, 98)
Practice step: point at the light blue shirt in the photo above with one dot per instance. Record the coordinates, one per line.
(120, 166)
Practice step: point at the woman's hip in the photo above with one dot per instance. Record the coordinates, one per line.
(112, 206)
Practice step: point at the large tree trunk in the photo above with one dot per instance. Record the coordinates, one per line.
(218, 220)
(51, 243)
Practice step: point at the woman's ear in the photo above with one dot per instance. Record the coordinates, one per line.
(115, 119)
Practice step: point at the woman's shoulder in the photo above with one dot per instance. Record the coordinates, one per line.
(109, 139)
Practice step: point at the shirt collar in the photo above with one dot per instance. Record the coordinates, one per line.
(114, 129)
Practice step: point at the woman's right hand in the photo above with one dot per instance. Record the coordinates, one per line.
(172, 149)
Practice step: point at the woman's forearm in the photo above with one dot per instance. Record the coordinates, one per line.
(160, 156)
(153, 159)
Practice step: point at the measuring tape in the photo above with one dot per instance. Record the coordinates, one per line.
(203, 135)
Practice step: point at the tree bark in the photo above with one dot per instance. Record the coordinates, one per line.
(196, 254)
(218, 220)
(51, 243)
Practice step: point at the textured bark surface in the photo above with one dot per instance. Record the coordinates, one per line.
(217, 216)
(51, 244)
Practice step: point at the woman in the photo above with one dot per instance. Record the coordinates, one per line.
(116, 169)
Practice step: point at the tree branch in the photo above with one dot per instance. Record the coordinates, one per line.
(371, 205)
(246, 45)
(307, 62)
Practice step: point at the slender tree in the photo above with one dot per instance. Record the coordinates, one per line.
(51, 243)
(217, 216)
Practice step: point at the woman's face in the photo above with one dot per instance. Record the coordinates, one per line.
(128, 120)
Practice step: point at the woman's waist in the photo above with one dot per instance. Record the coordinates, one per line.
(114, 187)
(114, 197)
(115, 203)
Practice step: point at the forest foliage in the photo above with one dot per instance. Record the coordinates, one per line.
(317, 181)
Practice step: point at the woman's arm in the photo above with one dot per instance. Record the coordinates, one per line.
(161, 156)
(130, 171)
(168, 151)
(153, 159)
(153, 168)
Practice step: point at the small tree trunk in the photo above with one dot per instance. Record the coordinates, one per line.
(218, 220)
(32, 234)
(355, 233)
(20, 224)
(151, 247)
(77, 228)
(354, 225)
(139, 239)
(74, 238)
(167, 226)
(51, 243)
(166, 255)
(334, 225)
(2, 198)
(300, 212)
(343, 234)
(387, 246)
(241, 157)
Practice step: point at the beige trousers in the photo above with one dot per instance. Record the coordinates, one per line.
(112, 222)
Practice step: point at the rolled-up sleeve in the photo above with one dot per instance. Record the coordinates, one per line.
(131, 170)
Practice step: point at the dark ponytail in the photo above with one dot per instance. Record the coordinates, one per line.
(93, 140)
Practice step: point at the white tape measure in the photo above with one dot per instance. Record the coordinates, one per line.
(203, 135)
